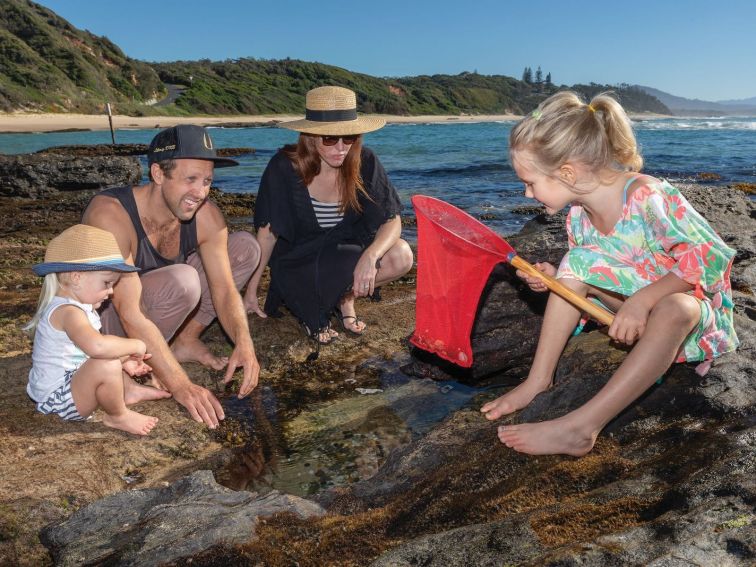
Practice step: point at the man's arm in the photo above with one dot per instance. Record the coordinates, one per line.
(108, 214)
(212, 235)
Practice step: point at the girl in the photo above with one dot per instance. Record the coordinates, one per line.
(75, 369)
(636, 245)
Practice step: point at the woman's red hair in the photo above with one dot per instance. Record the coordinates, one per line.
(305, 158)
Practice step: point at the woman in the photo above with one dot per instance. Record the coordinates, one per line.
(327, 219)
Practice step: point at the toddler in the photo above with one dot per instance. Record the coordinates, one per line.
(75, 369)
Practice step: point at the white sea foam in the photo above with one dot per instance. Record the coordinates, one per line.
(706, 123)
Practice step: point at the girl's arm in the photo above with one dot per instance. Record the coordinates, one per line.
(630, 322)
(267, 240)
(73, 321)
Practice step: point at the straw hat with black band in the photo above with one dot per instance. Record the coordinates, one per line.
(332, 111)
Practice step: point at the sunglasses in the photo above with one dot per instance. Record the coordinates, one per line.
(333, 140)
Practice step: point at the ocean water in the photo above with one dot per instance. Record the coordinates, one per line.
(463, 163)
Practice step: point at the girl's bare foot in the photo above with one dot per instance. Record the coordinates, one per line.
(194, 350)
(556, 437)
(131, 422)
(134, 393)
(515, 399)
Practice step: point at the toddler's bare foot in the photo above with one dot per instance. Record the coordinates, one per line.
(134, 393)
(194, 350)
(515, 399)
(131, 422)
(556, 437)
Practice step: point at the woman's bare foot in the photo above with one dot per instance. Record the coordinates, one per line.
(348, 316)
(556, 437)
(194, 350)
(515, 399)
(131, 422)
(134, 393)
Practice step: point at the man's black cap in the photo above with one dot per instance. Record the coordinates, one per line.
(185, 141)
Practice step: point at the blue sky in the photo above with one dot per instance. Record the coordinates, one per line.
(692, 48)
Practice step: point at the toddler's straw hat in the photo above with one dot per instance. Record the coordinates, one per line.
(332, 111)
(83, 248)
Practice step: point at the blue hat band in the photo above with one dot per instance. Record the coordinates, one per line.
(56, 267)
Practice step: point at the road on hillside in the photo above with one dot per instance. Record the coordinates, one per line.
(174, 91)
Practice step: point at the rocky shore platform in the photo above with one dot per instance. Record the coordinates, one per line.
(670, 481)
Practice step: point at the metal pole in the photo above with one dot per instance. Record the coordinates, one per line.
(110, 120)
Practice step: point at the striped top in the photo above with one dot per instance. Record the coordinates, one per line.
(328, 214)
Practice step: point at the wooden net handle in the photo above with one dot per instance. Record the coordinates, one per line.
(595, 311)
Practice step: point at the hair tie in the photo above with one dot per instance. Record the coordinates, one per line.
(536, 114)
(590, 107)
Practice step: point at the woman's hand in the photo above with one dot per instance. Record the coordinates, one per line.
(534, 283)
(630, 321)
(364, 276)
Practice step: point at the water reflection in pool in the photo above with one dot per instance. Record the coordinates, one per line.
(335, 442)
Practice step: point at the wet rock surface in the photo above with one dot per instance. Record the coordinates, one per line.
(124, 150)
(669, 482)
(37, 176)
(155, 526)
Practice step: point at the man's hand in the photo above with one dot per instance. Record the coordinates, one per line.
(200, 403)
(244, 356)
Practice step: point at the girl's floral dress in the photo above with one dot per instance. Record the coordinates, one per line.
(659, 232)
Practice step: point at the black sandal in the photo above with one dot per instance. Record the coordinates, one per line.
(346, 329)
(315, 335)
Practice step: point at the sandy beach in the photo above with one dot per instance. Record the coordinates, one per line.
(49, 122)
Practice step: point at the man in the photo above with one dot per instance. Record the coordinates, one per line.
(191, 269)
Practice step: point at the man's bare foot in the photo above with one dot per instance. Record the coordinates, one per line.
(556, 437)
(134, 393)
(131, 422)
(515, 399)
(194, 350)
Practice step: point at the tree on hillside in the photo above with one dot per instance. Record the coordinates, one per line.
(539, 76)
(548, 79)
(527, 75)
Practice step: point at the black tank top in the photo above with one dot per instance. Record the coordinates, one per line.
(147, 258)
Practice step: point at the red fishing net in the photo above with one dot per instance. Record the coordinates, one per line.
(455, 256)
